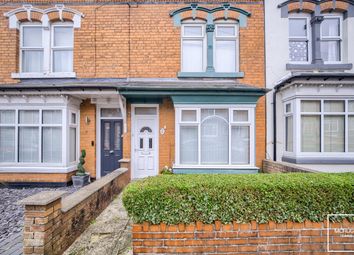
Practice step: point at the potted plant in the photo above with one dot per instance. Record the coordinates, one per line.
(81, 178)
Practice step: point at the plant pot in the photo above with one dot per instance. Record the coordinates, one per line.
(80, 180)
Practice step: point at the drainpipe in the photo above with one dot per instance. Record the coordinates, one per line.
(275, 124)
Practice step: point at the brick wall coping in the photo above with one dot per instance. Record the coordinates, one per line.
(124, 160)
(42, 198)
(72, 200)
(291, 167)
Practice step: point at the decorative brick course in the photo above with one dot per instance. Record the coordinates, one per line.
(52, 223)
(237, 238)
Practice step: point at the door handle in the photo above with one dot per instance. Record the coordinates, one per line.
(111, 151)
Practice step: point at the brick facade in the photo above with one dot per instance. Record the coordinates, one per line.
(253, 238)
(270, 166)
(118, 40)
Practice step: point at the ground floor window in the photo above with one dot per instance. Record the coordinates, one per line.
(215, 136)
(32, 135)
(327, 125)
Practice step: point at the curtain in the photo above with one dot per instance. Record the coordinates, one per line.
(28, 144)
(240, 145)
(189, 115)
(29, 117)
(310, 133)
(32, 61)
(63, 60)
(225, 56)
(72, 144)
(189, 145)
(310, 106)
(334, 106)
(7, 144)
(7, 117)
(51, 144)
(334, 134)
(192, 56)
(214, 137)
(351, 133)
(63, 37)
(240, 115)
(51, 117)
(289, 133)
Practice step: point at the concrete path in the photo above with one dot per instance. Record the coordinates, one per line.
(109, 234)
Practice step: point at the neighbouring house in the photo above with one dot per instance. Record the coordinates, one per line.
(309, 66)
(156, 84)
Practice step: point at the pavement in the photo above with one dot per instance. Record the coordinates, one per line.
(108, 234)
(11, 216)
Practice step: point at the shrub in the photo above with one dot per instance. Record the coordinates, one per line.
(293, 197)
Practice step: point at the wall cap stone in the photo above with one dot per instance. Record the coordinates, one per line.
(124, 160)
(42, 198)
(77, 197)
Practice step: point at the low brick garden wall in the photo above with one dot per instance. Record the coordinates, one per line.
(270, 166)
(253, 238)
(53, 223)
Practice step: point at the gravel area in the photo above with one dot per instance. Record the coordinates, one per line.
(11, 220)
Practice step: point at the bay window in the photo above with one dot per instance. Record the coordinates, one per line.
(209, 136)
(289, 127)
(35, 136)
(324, 124)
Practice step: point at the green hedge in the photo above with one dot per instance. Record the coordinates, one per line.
(293, 197)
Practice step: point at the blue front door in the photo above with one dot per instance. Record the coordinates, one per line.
(111, 145)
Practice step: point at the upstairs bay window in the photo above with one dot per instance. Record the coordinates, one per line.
(215, 136)
(46, 52)
(331, 38)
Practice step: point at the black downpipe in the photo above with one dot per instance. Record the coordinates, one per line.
(275, 124)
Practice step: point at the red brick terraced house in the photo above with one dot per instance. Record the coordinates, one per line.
(154, 83)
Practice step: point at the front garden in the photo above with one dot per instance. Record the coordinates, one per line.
(174, 199)
(240, 213)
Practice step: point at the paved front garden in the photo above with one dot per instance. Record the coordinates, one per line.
(11, 220)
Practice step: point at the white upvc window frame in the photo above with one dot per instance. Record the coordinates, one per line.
(202, 38)
(322, 113)
(334, 38)
(301, 39)
(75, 125)
(234, 38)
(40, 126)
(60, 48)
(288, 114)
(47, 48)
(250, 123)
(64, 163)
(23, 48)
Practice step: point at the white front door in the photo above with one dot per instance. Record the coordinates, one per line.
(145, 141)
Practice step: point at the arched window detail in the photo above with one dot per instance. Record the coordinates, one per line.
(147, 129)
(29, 13)
(209, 40)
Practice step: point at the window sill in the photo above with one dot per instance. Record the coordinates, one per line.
(321, 67)
(36, 169)
(320, 159)
(42, 75)
(210, 75)
(215, 170)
